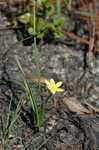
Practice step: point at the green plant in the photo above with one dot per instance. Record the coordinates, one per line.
(44, 22)
(11, 119)
(38, 110)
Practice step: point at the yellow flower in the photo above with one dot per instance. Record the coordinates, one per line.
(54, 87)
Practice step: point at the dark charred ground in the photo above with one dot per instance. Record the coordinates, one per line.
(61, 129)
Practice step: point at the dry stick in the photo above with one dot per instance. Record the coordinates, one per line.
(96, 8)
(91, 24)
(72, 35)
(10, 28)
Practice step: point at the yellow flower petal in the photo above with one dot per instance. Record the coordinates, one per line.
(58, 84)
(60, 90)
(47, 83)
(53, 92)
(52, 82)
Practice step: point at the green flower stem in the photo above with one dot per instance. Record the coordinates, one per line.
(49, 97)
(58, 7)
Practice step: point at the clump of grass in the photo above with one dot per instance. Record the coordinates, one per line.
(11, 119)
(37, 110)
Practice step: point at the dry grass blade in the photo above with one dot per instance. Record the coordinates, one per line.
(34, 78)
(92, 108)
(75, 106)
